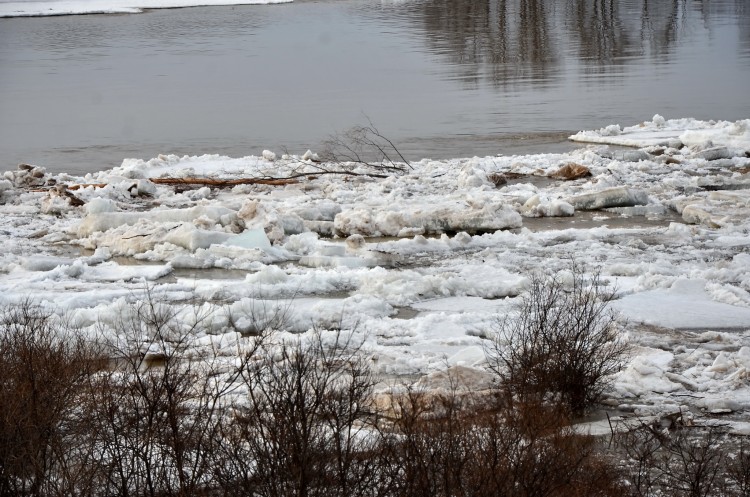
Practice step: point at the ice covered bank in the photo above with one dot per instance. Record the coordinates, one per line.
(33, 8)
(419, 263)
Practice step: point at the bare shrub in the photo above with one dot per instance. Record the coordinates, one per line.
(364, 146)
(305, 427)
(444, 447)
(681, 461)
(430, 445)
(693, 464)
(562, 341)
(158, 406)
(641, 446)
(738, 470)
(44, 369)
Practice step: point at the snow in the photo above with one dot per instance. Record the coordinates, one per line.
(685, 305)
(27, 8)
(687, 132)
(420, 266)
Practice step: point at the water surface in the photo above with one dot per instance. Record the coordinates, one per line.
(442, 78)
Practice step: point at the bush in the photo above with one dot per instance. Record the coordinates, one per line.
(307, 425)
(561, 342)
(165, 414)
(44, 370)
(157, 408)
(442, 445)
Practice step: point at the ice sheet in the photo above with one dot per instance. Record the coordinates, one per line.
(29, 8)
(420, 266)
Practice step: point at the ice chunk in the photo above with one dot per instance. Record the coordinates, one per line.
(646, 374)
(490, 217)
(44, 263)
(98, 205)
(697, 214)
(538, 207)
(721, 405)
(721, 364)
(355, 242)
(309, 155)
(192, 238)
(611, 130)
(611, 197)
(337, 261)
(717, 153)
(268, 155)
(459, 375)
(743, 357)
(103, 221)
(674, 133)
(252, 238)
(686, 304)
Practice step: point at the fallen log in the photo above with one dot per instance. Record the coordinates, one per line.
(223, 182)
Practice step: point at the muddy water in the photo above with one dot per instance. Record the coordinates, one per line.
(598, 219)
(442, 78)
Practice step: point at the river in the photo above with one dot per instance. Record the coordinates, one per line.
(440, 78)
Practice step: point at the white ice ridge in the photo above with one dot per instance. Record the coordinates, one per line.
(33, 8)
(673, 132)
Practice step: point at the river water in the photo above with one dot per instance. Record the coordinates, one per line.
(441, 78)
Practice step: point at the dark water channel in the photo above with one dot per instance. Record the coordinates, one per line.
(441, 78)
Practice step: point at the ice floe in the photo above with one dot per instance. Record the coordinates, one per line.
(31, 8)
(419, 264)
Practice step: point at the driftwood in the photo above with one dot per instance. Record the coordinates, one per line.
(226, 183)
(288, 180)
(223, 182)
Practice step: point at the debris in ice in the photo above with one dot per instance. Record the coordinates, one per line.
(570, 172)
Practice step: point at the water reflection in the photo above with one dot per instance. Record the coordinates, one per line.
(500, 40)
(506, 42)
(743, 16)
(601, 37)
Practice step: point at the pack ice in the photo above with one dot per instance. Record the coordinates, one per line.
(419, 263)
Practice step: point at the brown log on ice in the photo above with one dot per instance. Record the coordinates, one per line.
(222, 182)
